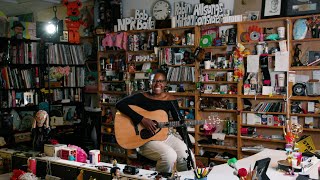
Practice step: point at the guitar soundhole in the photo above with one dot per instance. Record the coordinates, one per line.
(146, 134)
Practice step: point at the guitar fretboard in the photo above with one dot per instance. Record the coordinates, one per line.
(177, 123)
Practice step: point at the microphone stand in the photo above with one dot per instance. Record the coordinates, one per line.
(183, 126)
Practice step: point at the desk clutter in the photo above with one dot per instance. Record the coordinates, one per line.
(62, 161)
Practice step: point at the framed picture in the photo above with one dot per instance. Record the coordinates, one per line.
(178, 58)
(299, 7)
(28, 98)
(253, 15)
(64, 37)
(272, 8)
(313, 57)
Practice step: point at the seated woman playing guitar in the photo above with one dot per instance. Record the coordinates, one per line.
(172, 150)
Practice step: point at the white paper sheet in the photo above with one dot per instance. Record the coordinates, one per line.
(253, 63)
(282, 61)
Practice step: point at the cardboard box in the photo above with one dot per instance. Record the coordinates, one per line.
(53, 150)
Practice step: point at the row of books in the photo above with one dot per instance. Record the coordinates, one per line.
(74, 94)
(182, 73)
(270, 107)
(25, 53)
(65, 54)
(18, 99)
(19, 78)
(75, 77)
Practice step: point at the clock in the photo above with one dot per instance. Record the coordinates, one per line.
(161, 10)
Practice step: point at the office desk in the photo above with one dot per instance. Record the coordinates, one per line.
(89, 169)
(224, 172)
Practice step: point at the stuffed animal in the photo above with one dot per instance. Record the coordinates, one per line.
(73, 20)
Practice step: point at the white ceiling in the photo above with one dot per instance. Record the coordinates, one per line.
(18, 7)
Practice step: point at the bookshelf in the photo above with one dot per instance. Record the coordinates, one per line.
(204, 82)
(33, 77)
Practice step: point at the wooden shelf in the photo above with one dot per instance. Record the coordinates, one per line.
(141, 62)
(304, 98)
(281, 97)
(141, 51)
(226, 136)
(262, 126)
(263, 140)
(304, 68)
(305, 40)
(219, 95)
(180, 65)
(180, 82)
(178, 46)
(311, 130)
(218, 147)
(219, 82)
(182, 93)
(219, 110)
(227, 69)
(261, 112)
(305, 115)
(216, 47)
(256, 42)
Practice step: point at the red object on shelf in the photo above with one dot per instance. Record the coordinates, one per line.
(16, 173)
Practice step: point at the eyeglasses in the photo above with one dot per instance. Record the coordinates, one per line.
(158, 81)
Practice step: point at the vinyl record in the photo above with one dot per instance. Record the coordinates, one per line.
(205, 41)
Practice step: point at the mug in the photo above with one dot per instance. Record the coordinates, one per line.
(281, 32)
(207, 64)
(259, 49)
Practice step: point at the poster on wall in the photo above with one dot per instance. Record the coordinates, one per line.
(22, 30)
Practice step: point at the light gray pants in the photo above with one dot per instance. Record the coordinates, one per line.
(166, 153)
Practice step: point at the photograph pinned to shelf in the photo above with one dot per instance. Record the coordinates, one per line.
(27, 98)
(272, 8)
(313, 58)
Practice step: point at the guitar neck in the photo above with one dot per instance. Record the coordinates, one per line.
(177, 123)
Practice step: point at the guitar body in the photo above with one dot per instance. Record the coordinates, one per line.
(125, 130)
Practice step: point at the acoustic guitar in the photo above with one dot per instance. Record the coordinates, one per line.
(130, 137)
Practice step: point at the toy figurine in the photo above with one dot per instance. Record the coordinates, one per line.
(73, 20)
(296, 59)
(40, 130)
